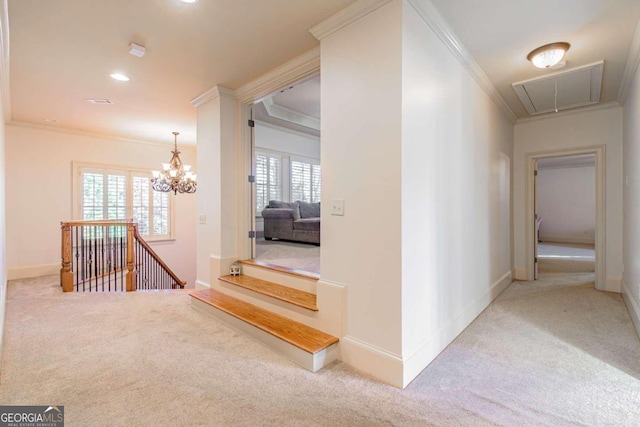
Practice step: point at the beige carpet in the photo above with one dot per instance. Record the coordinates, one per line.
(551, 353)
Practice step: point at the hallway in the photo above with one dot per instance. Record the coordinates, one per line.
(551, 352)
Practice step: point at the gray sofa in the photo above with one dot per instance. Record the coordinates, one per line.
(296, 221)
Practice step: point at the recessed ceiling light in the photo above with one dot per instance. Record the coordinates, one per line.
(189, 1)
(99, 101)
(120, 77)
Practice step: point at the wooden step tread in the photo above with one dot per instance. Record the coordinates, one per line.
(280, 269)
(300, 298)
(302, 336)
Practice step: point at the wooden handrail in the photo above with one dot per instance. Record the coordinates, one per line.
(132, 235)
(100, 222)
(155, 256)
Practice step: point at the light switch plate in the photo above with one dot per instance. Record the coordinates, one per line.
(337, 207)
(203, 219)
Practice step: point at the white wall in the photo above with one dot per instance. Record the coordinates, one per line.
(631, 226)
(217, 197)
(567, 204)
(456, 228)
(276, 138)
(3, 234)
(361, 163)
(574, 130)
(421, 156)
(39, 195)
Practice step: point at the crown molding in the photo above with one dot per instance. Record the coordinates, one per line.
(345, 17)
(287, 130)
(91, 134)
(299, 68)
(4, 61)
(289, 115)
(633, 59)
(572, 112)
(213, 93)
(430, 15)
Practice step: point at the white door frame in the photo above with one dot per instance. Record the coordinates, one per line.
(600, 235)
(301, 68)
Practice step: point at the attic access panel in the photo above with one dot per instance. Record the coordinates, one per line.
(577, 87)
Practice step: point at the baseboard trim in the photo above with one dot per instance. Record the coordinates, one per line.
(202, 285)
(560, 239)
(613, 284)
(429, 349)
(32, 271)
(379, 363)
(632, 306)
(520, 273)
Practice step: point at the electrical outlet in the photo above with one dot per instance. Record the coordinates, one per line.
(337, 207)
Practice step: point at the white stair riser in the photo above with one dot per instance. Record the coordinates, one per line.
(311, 362)
(284, 279)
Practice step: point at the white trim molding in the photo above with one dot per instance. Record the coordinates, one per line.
(633, 59)
(632, 305)
(600, 236)
(296, 70)
(28, 271)
(4, 61)
(212, 93)
(382, 364)
(430, 348)
(284, 113)
(345, 17)
(572, 112)
(430, 15)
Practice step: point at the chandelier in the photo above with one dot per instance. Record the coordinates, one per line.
(175, 176)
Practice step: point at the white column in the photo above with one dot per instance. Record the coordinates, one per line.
(217, 195)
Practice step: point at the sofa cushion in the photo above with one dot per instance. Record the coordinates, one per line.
(309, 210)
(307, 224)
(286, 205)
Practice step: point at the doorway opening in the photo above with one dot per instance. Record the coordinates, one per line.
(565, 204)
(287, 185)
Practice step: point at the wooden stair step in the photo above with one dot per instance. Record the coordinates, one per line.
(301, 336)
(293, 296)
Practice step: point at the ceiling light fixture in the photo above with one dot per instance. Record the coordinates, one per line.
(120, 77)
(175, 176)
(548, 55)
(189, 1)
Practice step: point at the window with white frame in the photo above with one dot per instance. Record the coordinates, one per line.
(305, 180)
(117, 193)
(268, 179)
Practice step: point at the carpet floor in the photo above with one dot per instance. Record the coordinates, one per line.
(555, 352)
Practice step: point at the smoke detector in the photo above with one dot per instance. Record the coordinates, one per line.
(137, 50)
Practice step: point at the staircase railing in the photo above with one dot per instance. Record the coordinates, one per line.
(105, 256)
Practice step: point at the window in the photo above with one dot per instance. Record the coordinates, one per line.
(305, 181)
(115, 193)
(268, 179)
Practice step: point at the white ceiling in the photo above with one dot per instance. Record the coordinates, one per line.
(62, 52)
(500, 33)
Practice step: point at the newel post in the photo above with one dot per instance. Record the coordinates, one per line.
(131, 274)
(66, 276)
